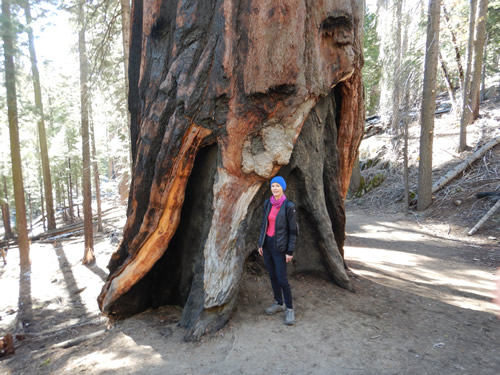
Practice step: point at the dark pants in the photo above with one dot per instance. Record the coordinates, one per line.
(276, 266)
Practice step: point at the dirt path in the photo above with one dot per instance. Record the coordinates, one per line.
(422, 306)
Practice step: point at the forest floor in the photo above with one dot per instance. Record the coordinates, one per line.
(422, 301)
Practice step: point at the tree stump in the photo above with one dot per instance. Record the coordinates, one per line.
(223, 95)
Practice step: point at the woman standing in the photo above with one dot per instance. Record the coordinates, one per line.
(278, 236)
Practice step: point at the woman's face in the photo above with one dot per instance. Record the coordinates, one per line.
(277, 190)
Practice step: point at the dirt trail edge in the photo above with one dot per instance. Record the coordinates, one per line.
(422, 306)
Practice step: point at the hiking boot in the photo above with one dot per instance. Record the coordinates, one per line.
(290, 317)
(274, 308)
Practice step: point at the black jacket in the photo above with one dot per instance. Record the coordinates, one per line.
(285, 229)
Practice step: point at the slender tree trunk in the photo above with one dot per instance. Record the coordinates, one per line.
(458, 56)
(483, 74)
(466, 97)
(15, 148)
(42, 203)
(428, 107)
(479, 43)
(6, 219)
(397, 76)
(125, 8)
(88, 255)
(31, 213)
(95, 169)
(6, 211)
(69, 184)
(47, 181)
(449, 84)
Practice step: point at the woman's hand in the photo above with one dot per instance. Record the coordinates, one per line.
(289, 258)
(260, 251)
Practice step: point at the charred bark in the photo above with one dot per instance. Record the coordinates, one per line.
(222, 96)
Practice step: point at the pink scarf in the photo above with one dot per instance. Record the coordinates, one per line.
(277, 203)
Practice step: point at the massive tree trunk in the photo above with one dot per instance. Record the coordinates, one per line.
(44, 153)
(223, 96)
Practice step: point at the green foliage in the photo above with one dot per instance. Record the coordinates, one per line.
(493, 35)
(372, 68)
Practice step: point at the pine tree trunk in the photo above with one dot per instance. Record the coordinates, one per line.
(466, 92)
(447, 79)
(231, 98)
(97, 183)
(15, 148)
(428, 107)
(88, 255)
(47, 181)
(42, 202)
(6, 212)
(125, 10)
(69, 188)
(397, 76)
(479, 41)
(458, 55)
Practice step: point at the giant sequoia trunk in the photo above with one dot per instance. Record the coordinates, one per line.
(223, 95)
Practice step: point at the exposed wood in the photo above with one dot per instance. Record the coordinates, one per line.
(78, 340)
(462, 166)
(7, 345)
(489, 214)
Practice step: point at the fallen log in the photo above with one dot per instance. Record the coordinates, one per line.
(78, 340)
(484, 218)
(462, 166)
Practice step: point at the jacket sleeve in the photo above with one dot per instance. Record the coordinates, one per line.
(263, 227)
(291, 218)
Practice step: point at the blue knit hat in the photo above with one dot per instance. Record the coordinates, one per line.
(280, 180)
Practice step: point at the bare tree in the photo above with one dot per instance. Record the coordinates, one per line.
(47, 181)
(15, 148)
(428, 107)
(88, 255)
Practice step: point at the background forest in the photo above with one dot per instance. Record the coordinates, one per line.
(58, 96)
